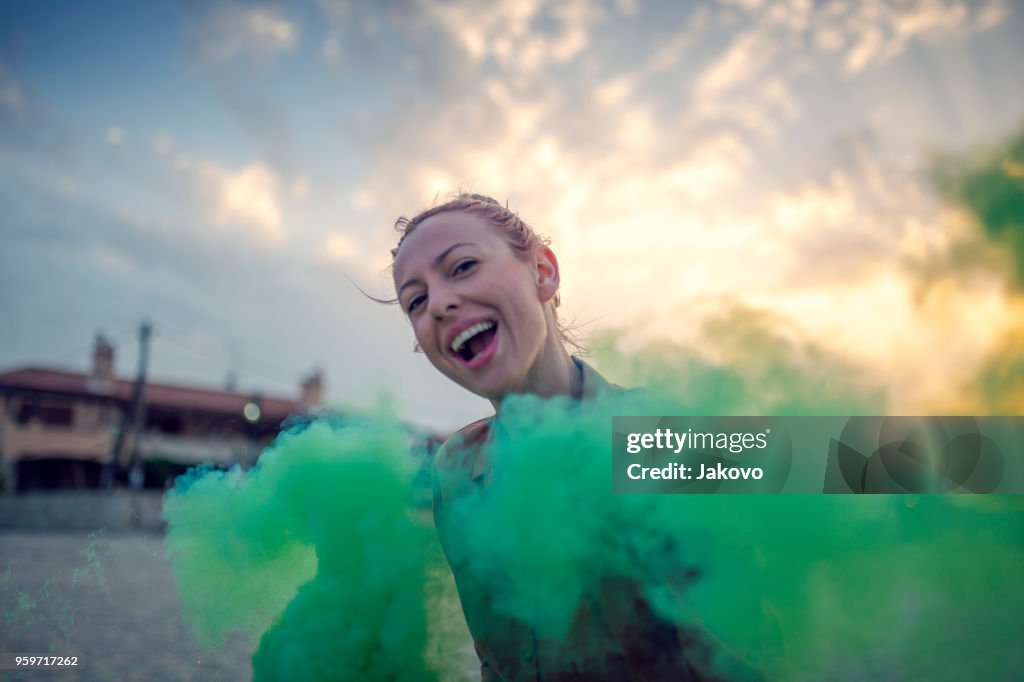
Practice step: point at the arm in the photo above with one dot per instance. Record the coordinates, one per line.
(487, 673)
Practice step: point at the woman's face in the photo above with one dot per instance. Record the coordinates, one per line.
(477, 310)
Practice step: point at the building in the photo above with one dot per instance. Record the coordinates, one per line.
(61, 429)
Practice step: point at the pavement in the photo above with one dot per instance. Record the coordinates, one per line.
(110, 600)
(107, 599)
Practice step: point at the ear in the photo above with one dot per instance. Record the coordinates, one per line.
(547, 273)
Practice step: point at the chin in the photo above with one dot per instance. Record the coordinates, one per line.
(487, 390)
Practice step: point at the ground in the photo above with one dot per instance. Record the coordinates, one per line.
(110, 600)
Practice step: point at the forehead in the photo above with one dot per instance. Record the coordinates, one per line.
(436, 234)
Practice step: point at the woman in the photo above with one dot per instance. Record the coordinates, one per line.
(480, 289)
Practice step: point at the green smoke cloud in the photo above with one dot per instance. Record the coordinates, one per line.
(989, 183)
(315, 550)
(757, 369)
(778, 587)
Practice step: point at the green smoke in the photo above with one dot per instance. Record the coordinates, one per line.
(315, 550)
(757, 370)
(780, 587)
(990, 185)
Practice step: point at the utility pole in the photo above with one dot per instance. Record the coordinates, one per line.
(234, 364)
(139, 407)
(134, 419)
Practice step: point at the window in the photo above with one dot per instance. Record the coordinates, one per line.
(48, 414)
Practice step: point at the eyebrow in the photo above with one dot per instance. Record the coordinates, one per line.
(437, 261)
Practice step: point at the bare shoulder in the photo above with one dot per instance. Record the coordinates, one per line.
(462, 448)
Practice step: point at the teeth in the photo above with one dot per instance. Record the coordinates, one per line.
(467, 334)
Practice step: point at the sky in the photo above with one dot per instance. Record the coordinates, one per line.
(231, 171)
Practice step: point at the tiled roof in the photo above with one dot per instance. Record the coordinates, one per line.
(160, 395)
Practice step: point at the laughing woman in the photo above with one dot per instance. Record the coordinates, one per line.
(480, 289)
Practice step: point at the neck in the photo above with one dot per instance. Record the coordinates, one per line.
(554, 373)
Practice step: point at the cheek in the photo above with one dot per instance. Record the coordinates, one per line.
(528, 308)
(420, 331)
(424, 334)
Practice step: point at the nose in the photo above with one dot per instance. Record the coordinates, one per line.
(442, 301)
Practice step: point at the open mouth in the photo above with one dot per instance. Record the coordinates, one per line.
(476, 345)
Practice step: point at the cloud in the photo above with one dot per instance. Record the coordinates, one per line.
(992, 14)
(741, 63)
(341, 248)
(235, 44)
(987, 184)
(299, 188)
(27, 123)
(683, 160)
(677, 154)
(999, 385)
(145, 251)
(330, 49)
(865, 263)
(398, 42)
(246, 198)
(887, 273)
(853, 37)
(227, 30)
(708, 171)
(745, 4)
(13, 100)
(162, 144)
(666, 57)
(362, 198)
(984, 186)
(874, 33)
(506, 31)
(436, 44)
(743, 361)
(115, 136)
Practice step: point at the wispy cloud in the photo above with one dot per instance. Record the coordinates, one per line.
(229, 29)
(247, 197)
(236, 45)
(27, 123)
(872, 33)
(506, 32)
(341, 248)
(115, 136)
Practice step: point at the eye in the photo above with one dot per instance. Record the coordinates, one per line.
(464, 266)
(415, 303)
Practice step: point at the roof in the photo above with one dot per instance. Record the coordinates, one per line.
(158, 395)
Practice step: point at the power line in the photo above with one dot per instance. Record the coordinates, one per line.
(230, 364)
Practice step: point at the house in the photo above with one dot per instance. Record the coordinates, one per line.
(61, 429)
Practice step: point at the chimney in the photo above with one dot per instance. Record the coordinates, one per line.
(313, 389)
(101, 377)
